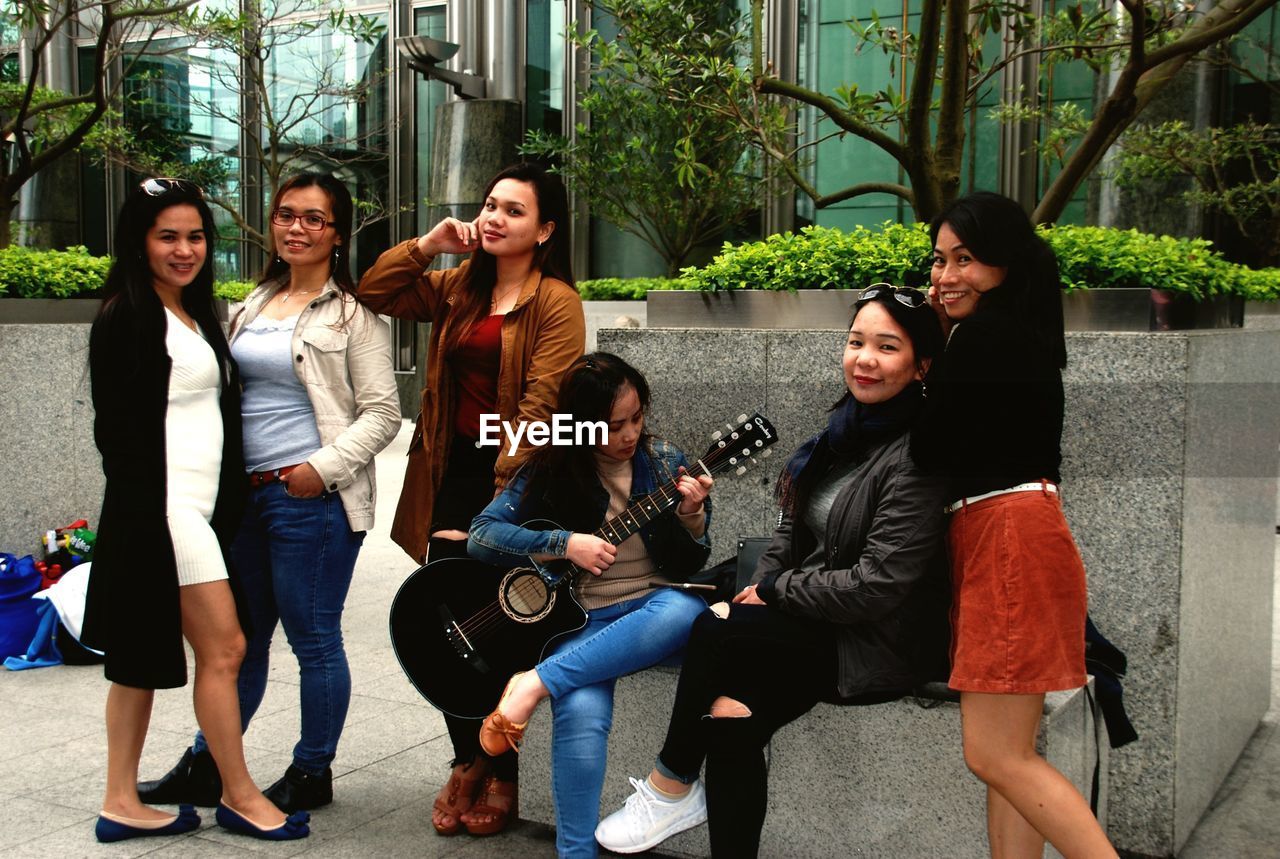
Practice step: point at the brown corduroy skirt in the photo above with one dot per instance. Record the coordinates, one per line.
(1018, 597)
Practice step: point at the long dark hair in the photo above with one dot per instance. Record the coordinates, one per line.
(128, 285)
(567, 474)
(343, 208)
(997, 231)
(552, 258)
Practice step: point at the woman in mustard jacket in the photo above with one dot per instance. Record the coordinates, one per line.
(506, 325)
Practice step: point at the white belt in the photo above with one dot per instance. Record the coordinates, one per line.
(1038, 486)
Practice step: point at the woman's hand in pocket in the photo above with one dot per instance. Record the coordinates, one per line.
(303, 482)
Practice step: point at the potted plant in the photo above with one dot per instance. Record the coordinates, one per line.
(1118, 280)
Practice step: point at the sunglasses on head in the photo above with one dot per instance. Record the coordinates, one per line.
(160, 186)
(904, 295)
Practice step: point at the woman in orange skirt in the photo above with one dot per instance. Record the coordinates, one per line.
(1019, 592)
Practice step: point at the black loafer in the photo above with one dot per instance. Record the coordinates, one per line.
(195, 780)
(300, 791)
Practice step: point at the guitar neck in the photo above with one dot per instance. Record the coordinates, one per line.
(645, 510)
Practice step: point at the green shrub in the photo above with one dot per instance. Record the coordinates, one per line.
(33, 273)
(233, 290)
(819, 258)
(625, 288)
(1088, 257)
(1105, 258)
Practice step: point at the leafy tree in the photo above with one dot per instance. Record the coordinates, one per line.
(1234, 170)
(40, 125)
(920, 117)
(646, 162)
(305, 110)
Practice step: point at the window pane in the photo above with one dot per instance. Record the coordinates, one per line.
(328, 94)
(544, 74)
(427, 96)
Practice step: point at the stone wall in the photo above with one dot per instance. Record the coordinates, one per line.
(50, 470)
(1170, 486)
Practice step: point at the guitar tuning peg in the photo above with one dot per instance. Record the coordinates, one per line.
(742, 469)
(742, 419)
(767, 453)
(715, 436)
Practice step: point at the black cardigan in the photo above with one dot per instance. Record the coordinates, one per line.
(132, 610)
(1000, 418)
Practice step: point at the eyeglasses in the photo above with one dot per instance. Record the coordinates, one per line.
(162, 185)
(314, 223)
(904, 295)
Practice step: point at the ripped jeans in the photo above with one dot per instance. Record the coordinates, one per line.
(779, 667)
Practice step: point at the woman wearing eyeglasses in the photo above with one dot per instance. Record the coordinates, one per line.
(848, 603)
(505, 326)
(166, 398)
(319, 403)
(1018, 581)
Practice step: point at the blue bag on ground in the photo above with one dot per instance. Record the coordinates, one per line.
(42, 650)
(19, 579)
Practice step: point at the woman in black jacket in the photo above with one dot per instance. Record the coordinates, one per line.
(848, 602)
(166, 398)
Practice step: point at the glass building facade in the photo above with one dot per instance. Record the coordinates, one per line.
(329, 100)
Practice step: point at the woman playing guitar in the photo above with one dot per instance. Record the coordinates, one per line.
(632, 624)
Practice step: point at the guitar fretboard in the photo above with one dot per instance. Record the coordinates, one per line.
(645, 510)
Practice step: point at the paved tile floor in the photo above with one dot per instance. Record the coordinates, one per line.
(392, 760)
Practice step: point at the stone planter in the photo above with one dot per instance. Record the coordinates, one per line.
(65, 311)
(1262, 314)
(49, 464)
(1170, 478)
(48, 311)
(1083, 310)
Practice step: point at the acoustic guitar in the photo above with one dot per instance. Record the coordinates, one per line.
(461, 628)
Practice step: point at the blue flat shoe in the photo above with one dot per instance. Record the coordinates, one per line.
(294, 826)
(109, 829)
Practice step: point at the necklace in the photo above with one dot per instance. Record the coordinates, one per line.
(285, 296)
(493, 304)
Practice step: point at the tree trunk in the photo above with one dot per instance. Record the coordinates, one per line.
(7, 207)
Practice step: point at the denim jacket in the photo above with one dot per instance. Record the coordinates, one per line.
(497, 538)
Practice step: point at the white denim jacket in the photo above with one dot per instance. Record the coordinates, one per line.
(342, 356)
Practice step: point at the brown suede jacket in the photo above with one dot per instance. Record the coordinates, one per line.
(541, 336)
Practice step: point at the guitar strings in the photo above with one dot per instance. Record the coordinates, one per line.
(526, 589)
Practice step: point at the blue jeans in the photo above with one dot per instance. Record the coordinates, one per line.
(295, 557)
(580, 674)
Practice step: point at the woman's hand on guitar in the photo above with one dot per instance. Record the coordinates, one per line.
(747, 596)
(450, 236)
(590, 553)
(694, 489)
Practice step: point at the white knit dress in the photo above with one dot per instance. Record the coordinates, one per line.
(193, 453)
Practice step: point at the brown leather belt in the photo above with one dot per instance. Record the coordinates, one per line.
(262, 478)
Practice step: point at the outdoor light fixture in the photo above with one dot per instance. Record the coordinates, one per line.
(424, 53)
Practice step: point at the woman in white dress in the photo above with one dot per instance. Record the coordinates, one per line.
(166, 397)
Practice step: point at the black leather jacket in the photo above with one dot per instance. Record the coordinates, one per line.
(884, 583)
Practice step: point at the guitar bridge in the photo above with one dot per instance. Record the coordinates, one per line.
(461, 644)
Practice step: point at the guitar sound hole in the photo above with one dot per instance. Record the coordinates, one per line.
(525, 596)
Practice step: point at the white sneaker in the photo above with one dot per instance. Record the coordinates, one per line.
(647, 819)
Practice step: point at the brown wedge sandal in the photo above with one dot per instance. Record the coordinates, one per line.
(458, 795)
(507, 792)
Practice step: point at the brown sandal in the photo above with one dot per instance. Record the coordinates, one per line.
(458, 795)
(497, 732)
(500, 817)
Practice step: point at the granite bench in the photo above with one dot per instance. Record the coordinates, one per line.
(890, 782)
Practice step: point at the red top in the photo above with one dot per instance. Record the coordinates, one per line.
(475, 367)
